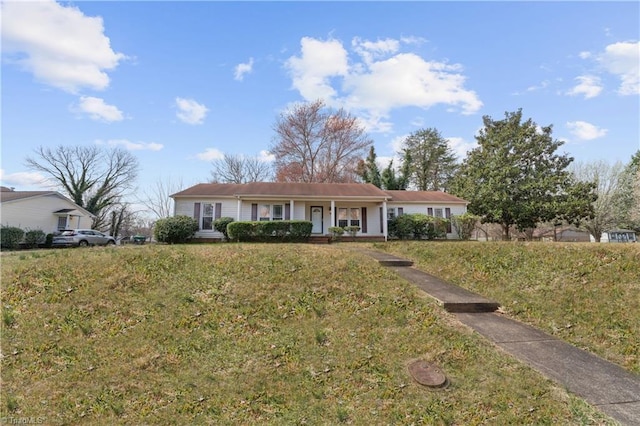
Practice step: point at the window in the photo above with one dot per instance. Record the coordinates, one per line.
(265, 212)
(348, 216)
(391, 213)
(271, 212)
(207, 216)
(355, 217)
(342, 217)
(62, 222)
(278, 212)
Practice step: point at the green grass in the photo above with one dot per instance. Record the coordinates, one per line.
(586, 294)
(246, 334)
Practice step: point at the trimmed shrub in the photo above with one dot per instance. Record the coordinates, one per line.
(241, 231)
(34, 238)
(401, 227)
(268, 231)
(300, 230)
(10, 237)
(465, 224)
(175, 230)
(48, 242)
(352, 230)
(221, 224)
(336, 233)
(417, 226)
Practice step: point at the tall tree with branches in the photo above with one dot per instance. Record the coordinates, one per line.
(240, 169)
(368, 169)
(157, 199)
(94, 178)
(316, 144)
(515, 177)
(432, 162)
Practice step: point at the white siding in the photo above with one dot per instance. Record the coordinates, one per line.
(301, 211)
(37, 213)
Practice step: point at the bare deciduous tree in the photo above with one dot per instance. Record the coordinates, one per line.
(315, 144)
(240, 169)
(92, 177)
(158, 198)
(606, 178)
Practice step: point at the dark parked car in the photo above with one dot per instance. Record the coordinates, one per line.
(82, 238)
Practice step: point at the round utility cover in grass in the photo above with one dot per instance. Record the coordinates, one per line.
(427, 374)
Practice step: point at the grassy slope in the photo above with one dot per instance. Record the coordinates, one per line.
(239, 334)
(587, 294)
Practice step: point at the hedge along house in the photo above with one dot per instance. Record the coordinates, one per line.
(48, 211)
(323, 204)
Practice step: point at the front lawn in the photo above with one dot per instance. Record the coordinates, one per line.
(586, 294)
(246, 334)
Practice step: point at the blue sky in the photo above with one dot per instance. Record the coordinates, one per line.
(181, 83)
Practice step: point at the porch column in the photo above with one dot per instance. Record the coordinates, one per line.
(333, 213)
(384, 219)
(239, 209)
(292, 209)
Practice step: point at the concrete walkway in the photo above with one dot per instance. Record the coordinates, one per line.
(607, 386)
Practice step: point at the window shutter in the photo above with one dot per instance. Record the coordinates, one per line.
(400, 211)
(447, 214)
(363, 228)
(287, 211)
(254, 212)
(196, 213)
(430, 211)
(381, 220)
(218, 211)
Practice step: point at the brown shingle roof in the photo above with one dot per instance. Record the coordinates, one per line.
(423, 197)
(285, 189)
(319, 190)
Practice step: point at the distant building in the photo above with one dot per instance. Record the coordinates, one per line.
(617, 236)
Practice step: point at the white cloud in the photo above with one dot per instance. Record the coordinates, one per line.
(266, 157)
(585, 55)
(190, 111)
(383, 80)
(588, 85)
(318, 62)
(369, 50)
(242, 69)
(132, 146)
(20, 180)
(623, 60)
(543, 85)
(97, 109)
(59, 45)
(585, 131)
(210, 154)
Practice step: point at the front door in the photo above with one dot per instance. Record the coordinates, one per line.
(316, 220)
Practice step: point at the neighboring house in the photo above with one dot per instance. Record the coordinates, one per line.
(48, 211)
(323, 204)
(561, 234)
(617, 236)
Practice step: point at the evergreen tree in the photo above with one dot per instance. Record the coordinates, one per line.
(515, 177)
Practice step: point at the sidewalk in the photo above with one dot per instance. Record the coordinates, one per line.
(607, 386)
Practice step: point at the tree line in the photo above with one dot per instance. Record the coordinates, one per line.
(515, 177)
